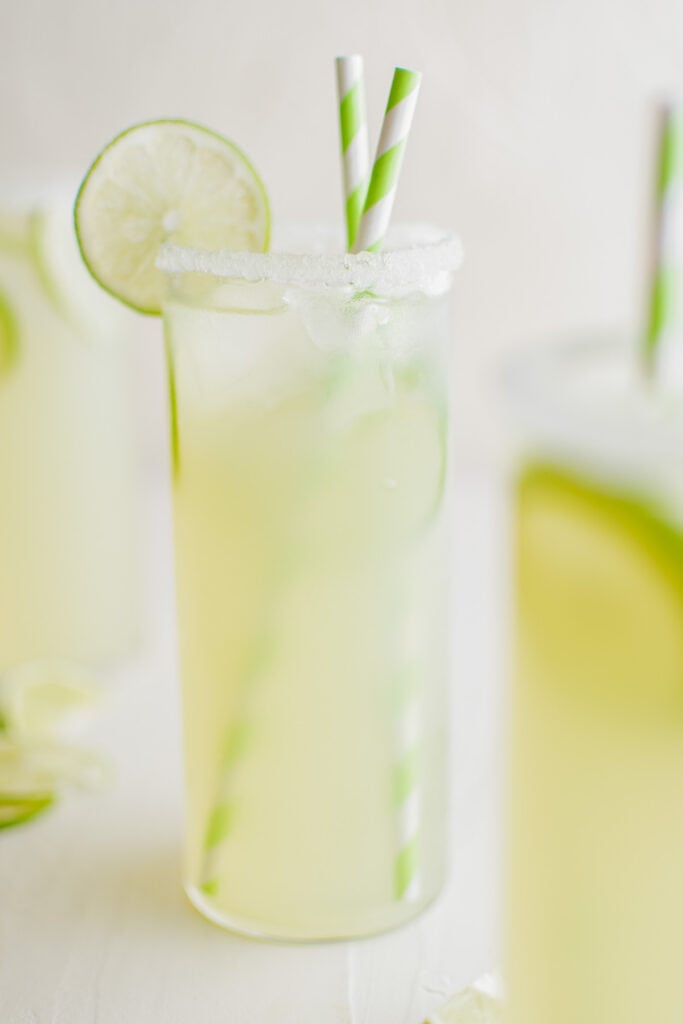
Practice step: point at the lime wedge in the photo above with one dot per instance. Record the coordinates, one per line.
(165, 181)
(17, 810)
(44, 699)
(600, 601)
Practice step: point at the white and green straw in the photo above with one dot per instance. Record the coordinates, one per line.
(353, 124)
(368, 234)
(407, 788)
(381, 193)
(238, 741)
(663, 322)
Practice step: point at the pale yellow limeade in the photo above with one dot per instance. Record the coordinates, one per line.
(595, 882)
(68, 586)
(310, 484)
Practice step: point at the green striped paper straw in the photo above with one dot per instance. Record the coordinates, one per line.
(407, 787)
(666, 261)
(353, 125)
(381, 192)
(237, 743)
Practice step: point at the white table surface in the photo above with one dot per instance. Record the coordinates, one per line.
(95, 929)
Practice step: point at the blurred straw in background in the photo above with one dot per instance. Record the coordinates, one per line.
(663, 334)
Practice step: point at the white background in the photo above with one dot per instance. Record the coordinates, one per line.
(531, 135)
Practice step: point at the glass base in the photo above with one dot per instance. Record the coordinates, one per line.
(364, 926)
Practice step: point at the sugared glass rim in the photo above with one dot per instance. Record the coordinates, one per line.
(417, 257)
(586, 398)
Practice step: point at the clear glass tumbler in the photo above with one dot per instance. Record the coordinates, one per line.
(68, 484)
(595, 886)
(309, 397)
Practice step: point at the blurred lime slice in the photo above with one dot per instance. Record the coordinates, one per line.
(600, 603)
(39, 702)
(17, 810)
(165, 181)
(45, 699)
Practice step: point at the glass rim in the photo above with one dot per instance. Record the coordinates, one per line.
(615, 417)
(417, 257)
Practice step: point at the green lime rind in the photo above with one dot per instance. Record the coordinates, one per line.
(176, 192)
(16, 810)
(600, 594)
(172, 403)
(9, 336)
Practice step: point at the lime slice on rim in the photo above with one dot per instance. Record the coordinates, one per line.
(165, 181)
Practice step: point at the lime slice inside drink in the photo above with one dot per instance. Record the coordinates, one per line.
(600, 595)
(165, 181)
(387, 457)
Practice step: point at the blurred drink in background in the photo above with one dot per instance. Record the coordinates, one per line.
(595, 878)
(68, 499)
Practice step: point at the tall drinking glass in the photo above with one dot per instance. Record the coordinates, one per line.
(68, 587)
(309, 397)
(595, 909)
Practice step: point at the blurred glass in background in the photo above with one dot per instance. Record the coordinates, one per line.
(595, 887)
(69, 585)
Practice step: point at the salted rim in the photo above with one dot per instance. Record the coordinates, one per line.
(617, 420)
(416, 256)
